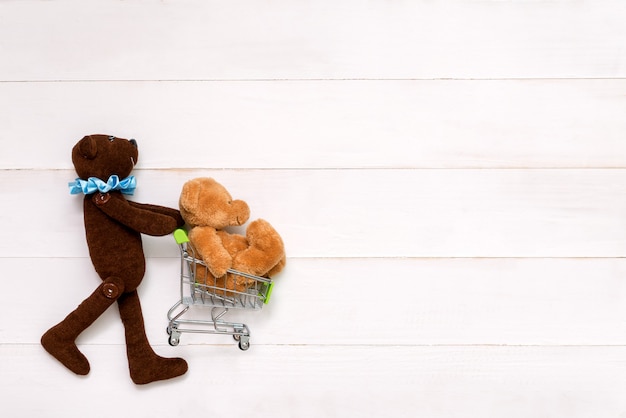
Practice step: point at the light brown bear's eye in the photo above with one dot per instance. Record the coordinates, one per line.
(111, 138)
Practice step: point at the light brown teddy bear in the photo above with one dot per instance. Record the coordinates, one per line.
(207, 208)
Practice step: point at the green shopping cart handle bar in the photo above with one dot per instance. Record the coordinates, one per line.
(268, 293)
(180, 235)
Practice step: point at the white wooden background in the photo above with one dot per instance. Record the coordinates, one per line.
(449, 178)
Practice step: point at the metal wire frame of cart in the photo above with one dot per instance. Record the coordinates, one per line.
(198, 288)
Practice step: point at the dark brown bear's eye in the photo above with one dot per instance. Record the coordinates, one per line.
(111, 138)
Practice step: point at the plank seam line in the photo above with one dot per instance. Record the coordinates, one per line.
(304, 345)
(313, 79)
(304, 169)
(354, 258)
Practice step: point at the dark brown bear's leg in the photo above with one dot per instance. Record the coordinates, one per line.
(144, 364)
(60, 339)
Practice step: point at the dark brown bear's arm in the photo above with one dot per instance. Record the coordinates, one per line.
(137, 218)
(163, 210)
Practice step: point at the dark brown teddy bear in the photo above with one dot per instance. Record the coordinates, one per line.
(113, 226)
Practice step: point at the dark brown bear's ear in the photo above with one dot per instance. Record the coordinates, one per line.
(88, 148)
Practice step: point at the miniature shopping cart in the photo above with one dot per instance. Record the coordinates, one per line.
(198, 288)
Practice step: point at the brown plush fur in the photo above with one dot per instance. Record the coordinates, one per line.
(113, 228)
(208, 208)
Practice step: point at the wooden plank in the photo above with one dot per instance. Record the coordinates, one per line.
(323, 124)
(304, 381)
(355, 301)
(360, 213)
(153, 40)
(418, 283)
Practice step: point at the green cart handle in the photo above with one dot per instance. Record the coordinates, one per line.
(180, 235)
(268, 292)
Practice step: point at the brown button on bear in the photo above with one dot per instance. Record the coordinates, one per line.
(113, 227)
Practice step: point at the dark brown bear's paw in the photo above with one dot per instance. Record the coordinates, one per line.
(157, 368)
(65, 350)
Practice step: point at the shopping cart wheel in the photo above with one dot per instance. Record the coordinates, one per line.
(244, 341)
(174, 339)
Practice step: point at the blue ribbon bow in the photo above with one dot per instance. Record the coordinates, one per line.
(94, 184)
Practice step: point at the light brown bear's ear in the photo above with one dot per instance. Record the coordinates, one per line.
(88, 148)
(188, 200)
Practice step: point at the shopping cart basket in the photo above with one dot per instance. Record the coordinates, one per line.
(198, 288)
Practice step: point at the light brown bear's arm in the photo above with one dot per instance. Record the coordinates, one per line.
(139, 219)
(266, 251)
(233, 243)
(209, 246)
